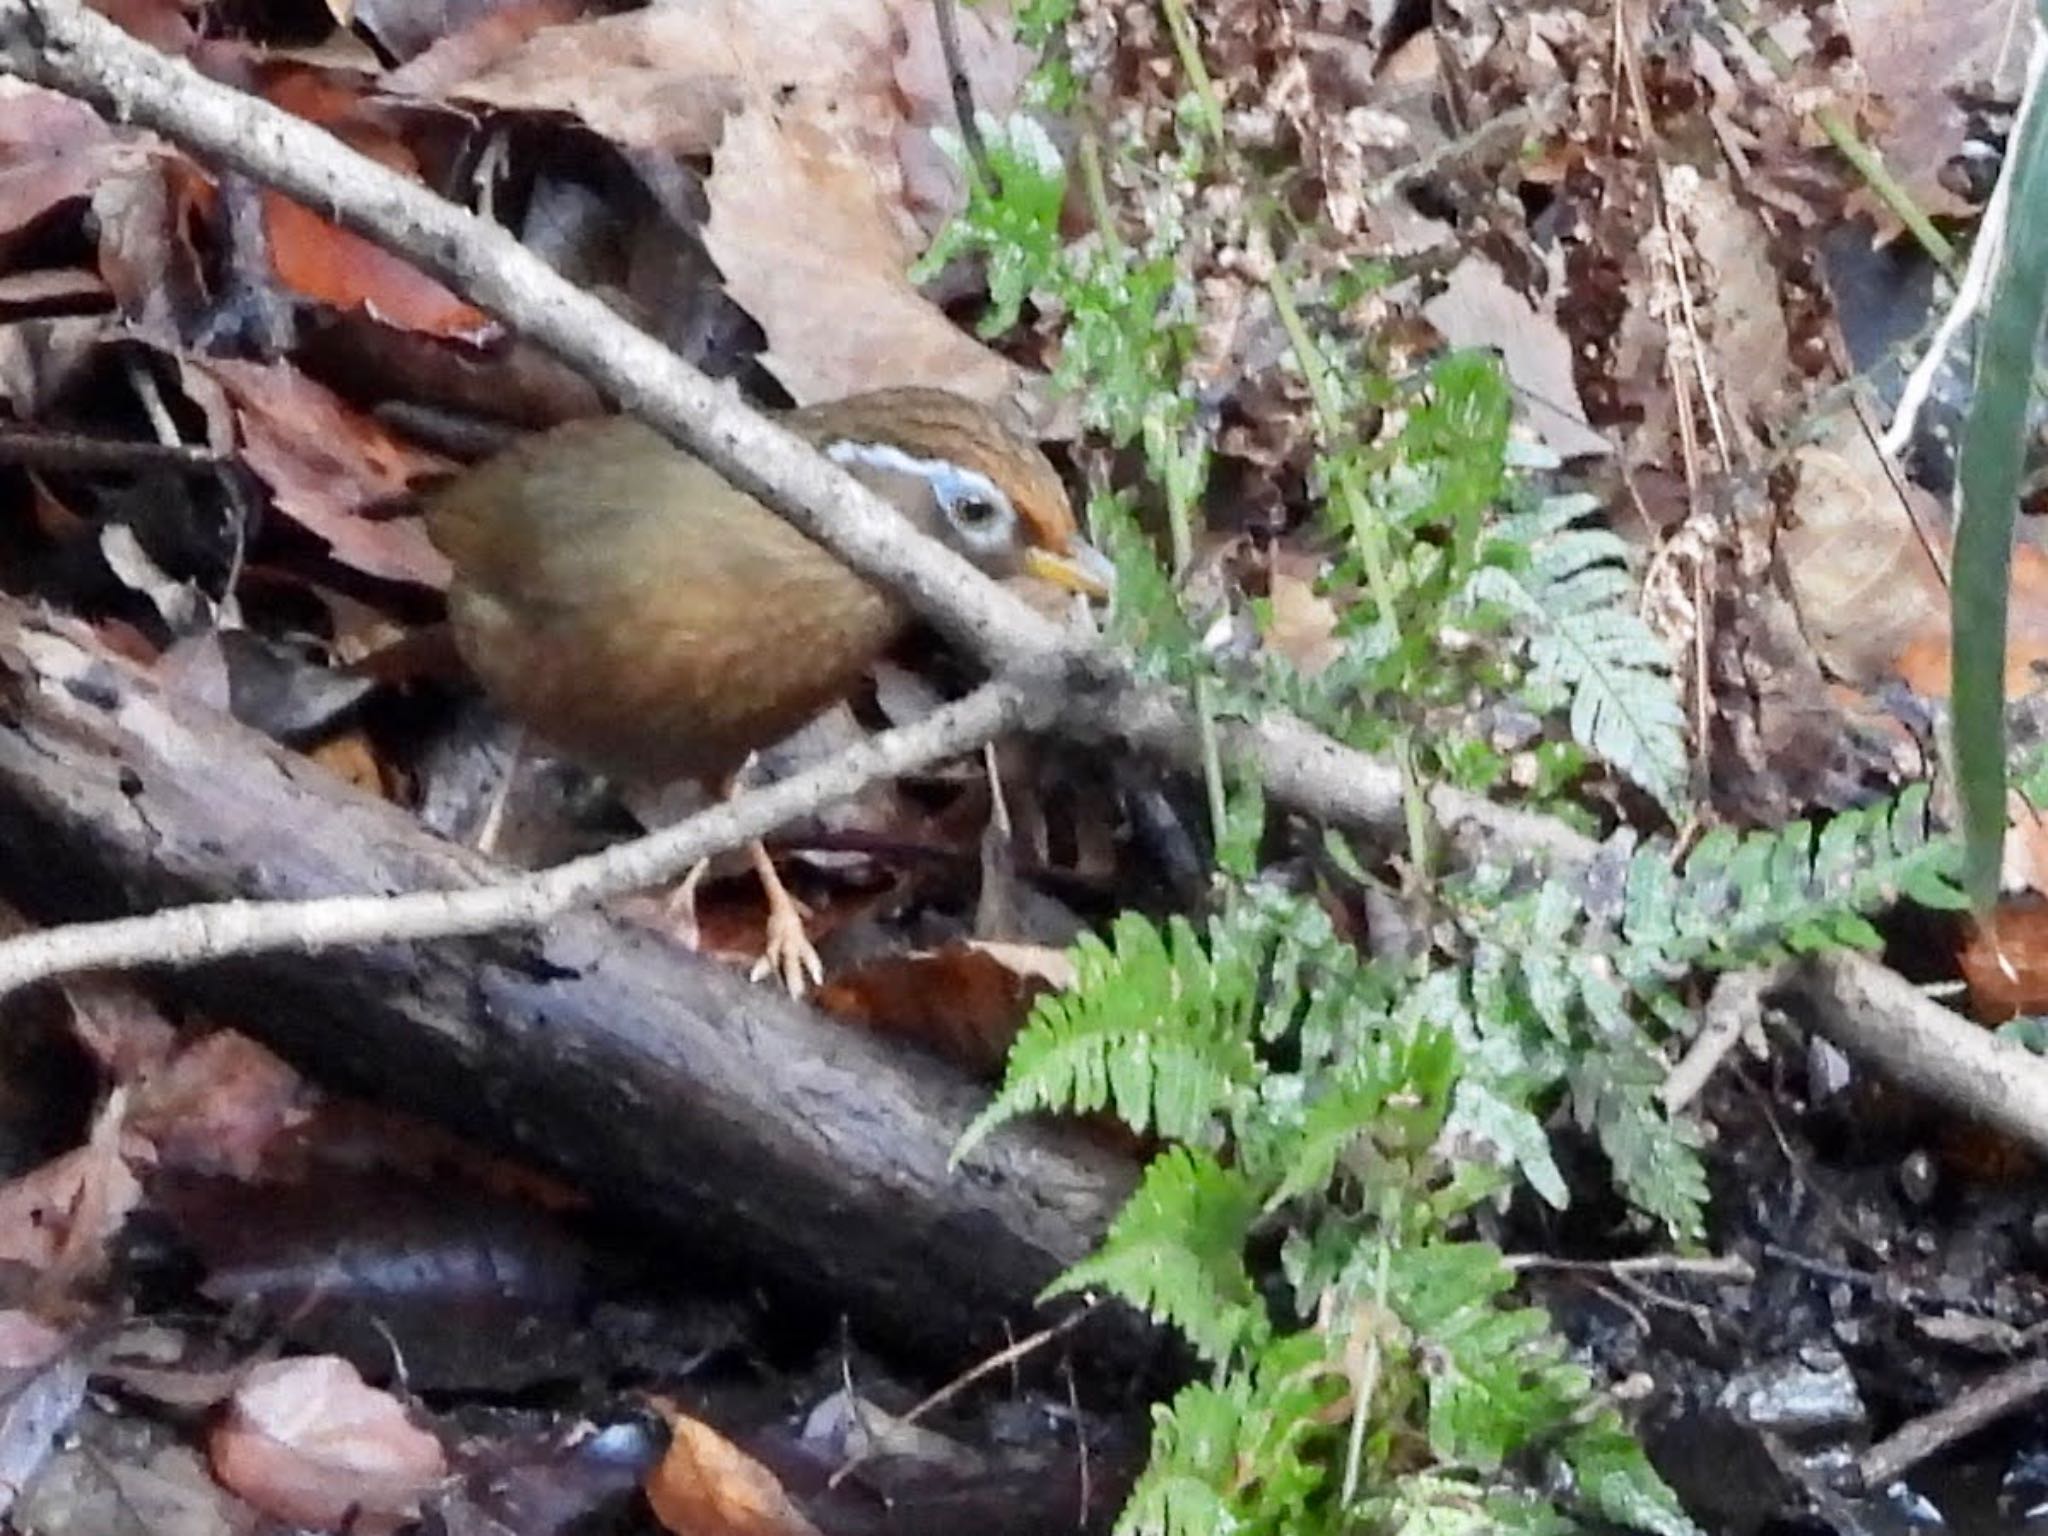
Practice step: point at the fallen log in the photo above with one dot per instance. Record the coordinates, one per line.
(771, 1142)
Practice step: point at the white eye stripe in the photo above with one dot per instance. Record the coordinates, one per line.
(952, 484)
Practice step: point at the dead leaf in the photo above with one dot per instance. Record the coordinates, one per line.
(119, 1026)
(1302, 626)
(1859, 574)
(800, 228)
(707, 1486)
(308, 1442)
(58, 1219)
(845, 1427)
(324, 463)
(331, 265)
(2004, 961)
(813, 109)
(1916, 54)
(465, 53)
(1747, 341)
(218, 1105)
(1862, 568)
(1478, 309)
(964, 1002)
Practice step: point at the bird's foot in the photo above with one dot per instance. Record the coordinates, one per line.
(787, 951)
(679, 911)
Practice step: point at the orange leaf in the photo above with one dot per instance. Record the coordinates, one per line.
(707, 1486)
(323, 261)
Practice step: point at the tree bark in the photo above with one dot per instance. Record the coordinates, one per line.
(772, 1143)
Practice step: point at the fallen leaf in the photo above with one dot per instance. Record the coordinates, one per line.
(707, 1486)
(1477, 308)
(58, 1218)
(1302, 626)
(800, 228)
(845, 1426)
(2004, 961)
(1858, 571)
(468, 51)
(325, 463)
(322, 261)
(217, 1105)
(812, 109)
(1917, 54)
(964, 1002)
(308, 1442)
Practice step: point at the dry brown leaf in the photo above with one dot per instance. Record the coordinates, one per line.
(1037, 962)
(1859, 574)
(1303, 624)
(802, 232)
(1748, 345)
(218, 1105)
(119, 1026)
(707, 1486)
(1916, 54)
(324, 262)
(58, 1219)
(1861, 567)
(308, 1442)
(1478, 309)
(324, 463)
(2004, 961)
(964, 1002)
(665, 78)
(486, 41)
(825, 182)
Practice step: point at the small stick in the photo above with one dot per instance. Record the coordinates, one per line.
(979, 165)
(995, 1362)
(210, 931)
(1888, 1460)
(69, 451)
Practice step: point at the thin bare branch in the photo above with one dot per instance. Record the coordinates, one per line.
(217, 930)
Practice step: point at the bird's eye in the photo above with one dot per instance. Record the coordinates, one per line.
(981, 517)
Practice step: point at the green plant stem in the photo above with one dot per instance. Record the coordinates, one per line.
(1365, 525)
(1180, 526)
(1188, 48)
(1098, 195)
(1370, 536)
(1866, 161)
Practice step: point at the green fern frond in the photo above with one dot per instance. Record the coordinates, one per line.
(1176, 1252)
(1427, 1504)
(1492, 1372)
(1568, 593)
(1748, 899)
(1152, 1031)
(1655, 1157)
(1615, 1480)
(1233, 1455)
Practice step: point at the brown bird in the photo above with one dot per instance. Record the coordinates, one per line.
(629, 605)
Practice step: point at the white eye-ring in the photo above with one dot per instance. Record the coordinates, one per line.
(979, 513)
(974, 507)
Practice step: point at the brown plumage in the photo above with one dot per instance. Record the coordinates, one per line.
(639, 612)
(646, 617)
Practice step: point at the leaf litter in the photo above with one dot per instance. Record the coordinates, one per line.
(1636, 216)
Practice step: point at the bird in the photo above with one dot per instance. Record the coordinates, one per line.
(624, 602)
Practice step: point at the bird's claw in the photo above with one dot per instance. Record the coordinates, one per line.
(787, 952)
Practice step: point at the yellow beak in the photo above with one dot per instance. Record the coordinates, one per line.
(1081, 569)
